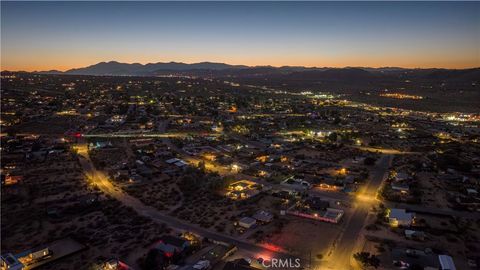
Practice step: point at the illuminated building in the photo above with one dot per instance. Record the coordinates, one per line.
(400, 217)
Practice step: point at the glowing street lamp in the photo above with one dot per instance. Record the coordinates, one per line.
(235, 168)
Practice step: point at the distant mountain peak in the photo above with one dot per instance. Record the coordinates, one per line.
(207, 68)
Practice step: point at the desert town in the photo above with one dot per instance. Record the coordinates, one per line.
(194, 173)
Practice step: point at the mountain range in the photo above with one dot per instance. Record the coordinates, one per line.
(211, 69)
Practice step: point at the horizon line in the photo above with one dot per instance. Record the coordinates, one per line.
(245, 65)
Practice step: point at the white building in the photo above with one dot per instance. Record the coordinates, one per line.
(446, 262)
(247, 222)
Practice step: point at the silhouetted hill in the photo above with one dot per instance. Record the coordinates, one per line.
(337, 74)
(445, 74)
(116, 68)
(53, 71)
(108, 68)
(348, 75)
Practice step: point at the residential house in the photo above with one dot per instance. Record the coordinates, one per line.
(263, 216)
(247, 222)
(8, 261)
(415, 235)
(171, 245)
(400, 217)
(401, 187)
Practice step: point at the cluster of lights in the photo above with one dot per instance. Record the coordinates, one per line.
(400, 96)
(461, 117)
(68, 112)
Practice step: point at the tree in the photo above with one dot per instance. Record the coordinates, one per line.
(201, 166)
(154, 260)
(333, 137)
(367, 259)
(143, 120)
(362, 257)
(337, 120)
(369, 161)
(374, 261)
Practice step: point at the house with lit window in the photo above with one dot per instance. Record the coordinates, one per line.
(400, 217)
(400, 187)
(171, 245)
(8, 261)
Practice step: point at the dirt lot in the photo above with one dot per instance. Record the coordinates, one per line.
(298, 237)
(52, 125)
(332, 156)
(442, 235)
(434, 191)
(55, 201)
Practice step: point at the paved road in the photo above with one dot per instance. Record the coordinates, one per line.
(344, 250)
(386, 151)
(349, 199)
(102, 182)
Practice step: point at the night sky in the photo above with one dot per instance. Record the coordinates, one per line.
(63, 35)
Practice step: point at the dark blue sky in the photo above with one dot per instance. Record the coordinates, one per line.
(44, 35)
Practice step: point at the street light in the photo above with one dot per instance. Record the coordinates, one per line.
(235, 167)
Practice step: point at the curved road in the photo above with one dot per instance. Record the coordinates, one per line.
(102, 182)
